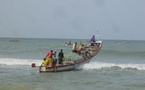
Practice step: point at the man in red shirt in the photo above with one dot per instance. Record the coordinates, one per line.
(50, 54)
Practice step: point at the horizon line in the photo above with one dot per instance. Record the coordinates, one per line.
(67, 38)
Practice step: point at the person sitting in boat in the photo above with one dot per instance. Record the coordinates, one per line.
(60, 57)
(49, 58)
(44, 63)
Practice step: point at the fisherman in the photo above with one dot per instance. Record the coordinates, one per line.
(93, 40)
(44, 63)
(54, 59)
(49, 58)
(60, 57)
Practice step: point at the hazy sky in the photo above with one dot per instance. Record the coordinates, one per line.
(108, 19)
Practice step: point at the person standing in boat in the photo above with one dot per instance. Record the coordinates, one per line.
(60, 57)
(93, 40)
(49, 58)
(54, 59)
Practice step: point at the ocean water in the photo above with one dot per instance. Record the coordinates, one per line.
(119, 66)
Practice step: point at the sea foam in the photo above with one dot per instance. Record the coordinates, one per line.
(13, 61)
(101, 65)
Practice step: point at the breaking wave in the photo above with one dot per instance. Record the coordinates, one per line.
(13, 61)
(101, 65)
(89, 66)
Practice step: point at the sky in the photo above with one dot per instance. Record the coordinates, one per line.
(107, 19)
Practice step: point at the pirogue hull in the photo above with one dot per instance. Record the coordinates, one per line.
(71, 65)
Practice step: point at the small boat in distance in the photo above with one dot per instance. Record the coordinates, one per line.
(13, 40)
(87, 53)
(68, 43)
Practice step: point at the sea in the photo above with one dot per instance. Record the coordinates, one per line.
(120, 65)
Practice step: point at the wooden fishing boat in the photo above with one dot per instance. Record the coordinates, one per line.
(87, 54)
